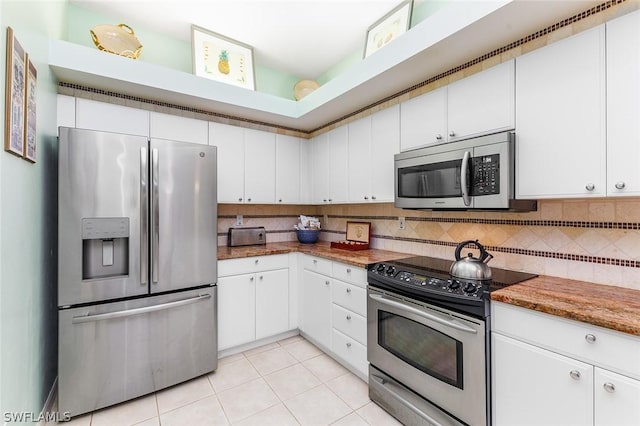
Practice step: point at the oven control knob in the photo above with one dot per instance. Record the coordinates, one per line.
(380, 267)
(391, 270)
(455, 284)
(469, 288)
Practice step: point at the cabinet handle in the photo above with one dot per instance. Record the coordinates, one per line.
(609, 387)
(280, 200)
(249, 200)
(620, 185)
(575, 374)
(348, 317)
(257, 261)
(439, 137)
(589, 187)
(348, 344)
(590, 338)
(315, 261)
(326, 282)
(324, 200)
(452, 133)
(261, 277)
(240, 199)
(330, 200)
(251, 279)
(366, 198)
(348, 290)
(373, 197)
(348, 270)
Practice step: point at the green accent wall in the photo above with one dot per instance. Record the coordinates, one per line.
(28, 226)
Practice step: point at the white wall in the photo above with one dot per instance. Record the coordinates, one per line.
(28, 225)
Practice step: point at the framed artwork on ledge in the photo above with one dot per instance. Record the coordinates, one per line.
(14, 96)
(222, 59)
(388, 28)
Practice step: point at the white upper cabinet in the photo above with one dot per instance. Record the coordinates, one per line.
(319, 160)
(423, 120)
(94, 115)
(183, 129)
(560, 118)
(329, 167)
(373, 141)
(306, 188)
(66, 111)
(259, 167)
(482, 103)
(230, 143)
(288, 172)
(623, 105)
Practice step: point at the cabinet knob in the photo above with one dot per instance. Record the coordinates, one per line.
(452, 133)
(609, 387)
(240, 199)
(324, 200)
(348, 270)
(373, 197)
(366, 198)
(261, 277)
(439, 137)
(315, 261)
(590, 338)
(348, 290)
(348, 317)
(251, 279)
(249, 200)
(330, 200)
(348, 344)
(589, 187)
(326, 283)
(257, 261)
(575, 374)
(280, 200)
(620, 185)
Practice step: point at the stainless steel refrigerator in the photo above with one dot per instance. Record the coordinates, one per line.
(137, 268)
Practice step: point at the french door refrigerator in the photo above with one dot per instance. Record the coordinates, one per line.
(137, 268)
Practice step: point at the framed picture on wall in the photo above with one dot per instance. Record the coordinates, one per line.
(30, 111)
(388, 28)
(14, 96)
(222, 59)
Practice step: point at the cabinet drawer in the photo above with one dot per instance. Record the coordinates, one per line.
(350, 297)
(606, 348)
(317, 264)
(352, 352)
(350, 323)
(248, 265)
(351, 274)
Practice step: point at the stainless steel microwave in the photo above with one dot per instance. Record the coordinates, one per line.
(475, 173)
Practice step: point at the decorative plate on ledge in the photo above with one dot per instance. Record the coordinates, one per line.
(117, 39)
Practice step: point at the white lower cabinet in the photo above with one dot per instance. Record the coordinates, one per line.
(548, 370)
(333, 310)
(252, 305)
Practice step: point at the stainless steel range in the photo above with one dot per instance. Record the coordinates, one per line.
(428, 341)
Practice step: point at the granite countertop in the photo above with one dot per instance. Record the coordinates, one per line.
(615, 308)
(360, 258)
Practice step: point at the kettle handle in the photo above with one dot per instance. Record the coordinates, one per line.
(483, 253)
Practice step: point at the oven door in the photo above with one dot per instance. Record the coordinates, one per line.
(437, 353)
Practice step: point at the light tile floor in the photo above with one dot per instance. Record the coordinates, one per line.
(290, 382)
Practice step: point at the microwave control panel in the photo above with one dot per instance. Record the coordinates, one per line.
(486, 175)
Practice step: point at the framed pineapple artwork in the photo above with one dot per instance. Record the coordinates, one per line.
(388, 28)
(222, 59)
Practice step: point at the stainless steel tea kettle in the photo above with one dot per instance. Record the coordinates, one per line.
(470, 267)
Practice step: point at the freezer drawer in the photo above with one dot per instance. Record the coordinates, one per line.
(114, 352)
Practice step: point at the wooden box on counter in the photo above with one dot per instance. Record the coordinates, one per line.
(358, 237)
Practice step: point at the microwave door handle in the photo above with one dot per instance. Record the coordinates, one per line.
(449, 323)
(424, 185)
(464, 178)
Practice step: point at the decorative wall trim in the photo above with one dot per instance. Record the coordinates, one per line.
(219, 116)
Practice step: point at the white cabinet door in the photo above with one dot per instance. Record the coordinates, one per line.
(359, 160)
(617, 399)
(236, 310)
(423, 120)
(533, 386)
(306, 186)
(338, 165)
(287, 169)
(66, 111)
(385, 143)
(259, 167)
(320, 157)
(173, 127)
(230, 143)
(272, 302)
(560, 118)
(482, 103)
(94, 115)
(315, 307)
(623, 105)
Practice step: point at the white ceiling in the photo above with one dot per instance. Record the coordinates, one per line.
(303, 38)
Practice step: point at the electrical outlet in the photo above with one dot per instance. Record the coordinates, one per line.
(239, 220)
(401, 223)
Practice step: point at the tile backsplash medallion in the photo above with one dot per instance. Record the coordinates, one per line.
(596, 240)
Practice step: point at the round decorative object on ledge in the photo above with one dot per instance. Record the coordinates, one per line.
(117, 39)
(303, 88)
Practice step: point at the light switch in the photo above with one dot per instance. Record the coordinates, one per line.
(107, 252)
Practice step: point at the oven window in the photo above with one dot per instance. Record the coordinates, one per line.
(426, 349)
(438, 180)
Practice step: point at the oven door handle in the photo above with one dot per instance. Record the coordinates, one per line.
(389, 387)
(449, 323)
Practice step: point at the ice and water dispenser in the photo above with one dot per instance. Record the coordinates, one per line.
(105, 247)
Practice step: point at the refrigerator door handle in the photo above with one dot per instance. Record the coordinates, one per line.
(144, 218)
(155, 216)
(130, 312)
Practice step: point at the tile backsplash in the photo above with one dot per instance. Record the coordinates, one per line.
(596, 240)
